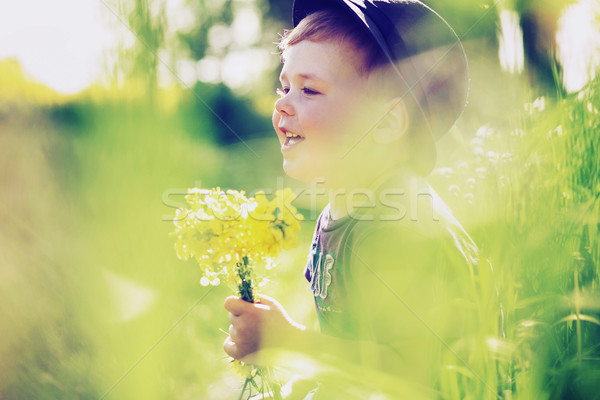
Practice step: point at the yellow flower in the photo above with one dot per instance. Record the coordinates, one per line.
(226, 231)
(246, 370)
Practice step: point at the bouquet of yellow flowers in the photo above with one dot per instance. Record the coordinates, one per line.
(229, 234)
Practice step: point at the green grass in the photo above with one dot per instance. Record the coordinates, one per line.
(534, 209)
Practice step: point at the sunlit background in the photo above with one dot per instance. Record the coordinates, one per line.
(110, 109)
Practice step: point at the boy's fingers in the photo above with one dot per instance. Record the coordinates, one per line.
(230, 348)
(233, 333)
(235, 305)
(237, 351)
(266, 300)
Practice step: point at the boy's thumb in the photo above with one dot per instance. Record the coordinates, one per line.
(266, 300)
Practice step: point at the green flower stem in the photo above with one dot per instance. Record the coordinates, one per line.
(244, 389)
(246, 294)
(245, 287)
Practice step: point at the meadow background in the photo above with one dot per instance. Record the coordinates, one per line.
(95, 305)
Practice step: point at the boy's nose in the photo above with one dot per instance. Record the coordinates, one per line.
(284, 106)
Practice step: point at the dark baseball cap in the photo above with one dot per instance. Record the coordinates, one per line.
(411, 33)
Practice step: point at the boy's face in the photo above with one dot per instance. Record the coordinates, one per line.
(327, 109)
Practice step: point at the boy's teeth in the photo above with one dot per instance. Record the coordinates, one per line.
(291, 135)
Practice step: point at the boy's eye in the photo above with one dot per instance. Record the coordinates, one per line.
(283, 91)
(309, 91)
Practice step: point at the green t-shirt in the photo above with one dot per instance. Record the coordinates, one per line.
(403, 273)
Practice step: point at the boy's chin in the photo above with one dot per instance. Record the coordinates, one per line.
(301, 174)
(295, 173)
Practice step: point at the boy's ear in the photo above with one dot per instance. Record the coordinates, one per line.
(393, 124)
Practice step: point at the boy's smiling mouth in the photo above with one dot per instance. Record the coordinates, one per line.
(292, 139)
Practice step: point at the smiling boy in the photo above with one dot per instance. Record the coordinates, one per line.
(366, 88)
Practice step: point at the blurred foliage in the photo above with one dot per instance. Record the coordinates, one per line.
(531, 197)
(90, 283)
(96, 305)
(18, 89)
(207, 14)
(149, 32)
(232, 118)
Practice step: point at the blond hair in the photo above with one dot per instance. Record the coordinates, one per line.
(330, 25)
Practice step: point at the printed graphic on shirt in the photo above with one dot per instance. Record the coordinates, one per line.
(320, 265)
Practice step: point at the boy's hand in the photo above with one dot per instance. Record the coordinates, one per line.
(256, 326)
